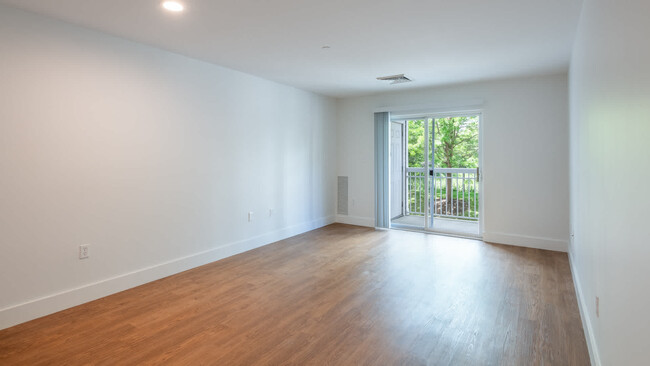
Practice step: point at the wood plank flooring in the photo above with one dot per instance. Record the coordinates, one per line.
(340, 295)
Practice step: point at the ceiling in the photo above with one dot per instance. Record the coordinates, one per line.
(433, 42)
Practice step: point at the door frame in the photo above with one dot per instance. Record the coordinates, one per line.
(403, 117)
(403, 173)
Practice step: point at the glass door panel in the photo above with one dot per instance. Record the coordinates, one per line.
(454, 189)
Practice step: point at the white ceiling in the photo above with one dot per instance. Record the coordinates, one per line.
(434, 42)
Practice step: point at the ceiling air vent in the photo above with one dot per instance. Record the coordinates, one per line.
(396, 79)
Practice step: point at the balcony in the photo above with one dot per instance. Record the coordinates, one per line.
(453, 204)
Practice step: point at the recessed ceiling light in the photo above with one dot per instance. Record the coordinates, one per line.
(173, 6)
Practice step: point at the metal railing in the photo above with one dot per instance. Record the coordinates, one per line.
(454, 192)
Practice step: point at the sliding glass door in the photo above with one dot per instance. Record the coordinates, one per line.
(441, 174)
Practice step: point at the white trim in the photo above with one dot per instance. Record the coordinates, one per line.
(52, 303)
(428, 164)
(434, 115)
(584, 316)
(356, 220)
(558, 245)
(481, 175)
(447, 107)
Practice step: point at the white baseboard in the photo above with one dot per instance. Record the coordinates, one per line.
(557, 245)
(52, 303)
(356, 220)
(584, 315)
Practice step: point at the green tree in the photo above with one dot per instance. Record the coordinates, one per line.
(456, 146)
(416, 143)
(456, 143)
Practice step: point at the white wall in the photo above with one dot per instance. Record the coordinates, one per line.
(525, 149)
(152, 158)
(610, 157)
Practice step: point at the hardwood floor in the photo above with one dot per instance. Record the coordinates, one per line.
(340, 295)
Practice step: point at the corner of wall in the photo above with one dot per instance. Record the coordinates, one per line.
(592, 346)
(356, 220)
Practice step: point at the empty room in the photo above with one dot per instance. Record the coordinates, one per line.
(210, 182)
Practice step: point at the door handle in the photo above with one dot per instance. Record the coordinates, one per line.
(478, 179)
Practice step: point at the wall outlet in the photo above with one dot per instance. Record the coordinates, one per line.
(597, 307)
(84, 251)
(250, 216)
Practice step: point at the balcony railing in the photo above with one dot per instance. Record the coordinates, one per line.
(454, 194)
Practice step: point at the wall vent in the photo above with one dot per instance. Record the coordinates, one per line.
(342, 197)
(395, 79)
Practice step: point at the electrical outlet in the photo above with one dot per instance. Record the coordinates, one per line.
(597, 307)
(250, 216)
(84, 251)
